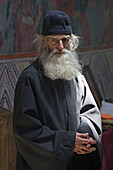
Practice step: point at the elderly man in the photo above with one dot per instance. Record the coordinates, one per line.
(57, 125)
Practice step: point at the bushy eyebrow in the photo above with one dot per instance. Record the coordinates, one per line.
(54, 37)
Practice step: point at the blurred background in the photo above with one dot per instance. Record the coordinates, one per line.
(20, 21)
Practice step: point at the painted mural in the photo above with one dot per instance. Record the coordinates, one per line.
(20, 20)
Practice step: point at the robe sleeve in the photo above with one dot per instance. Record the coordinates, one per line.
(88, 106)
(89, 115)
(39, 145)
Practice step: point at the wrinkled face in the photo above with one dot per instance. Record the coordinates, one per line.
(58, 57)
(58, 42)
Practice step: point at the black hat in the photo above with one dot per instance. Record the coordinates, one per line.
(56, 22)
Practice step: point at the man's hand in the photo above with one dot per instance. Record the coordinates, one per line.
(83, 143)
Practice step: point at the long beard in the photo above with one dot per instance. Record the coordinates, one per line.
(62, 65)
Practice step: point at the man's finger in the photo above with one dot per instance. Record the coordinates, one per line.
(82, 135)
(84, 141)
(92, 141)
(87, 148)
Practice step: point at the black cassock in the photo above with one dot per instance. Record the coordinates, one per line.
(47, 115)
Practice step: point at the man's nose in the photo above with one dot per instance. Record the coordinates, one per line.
(60, 45)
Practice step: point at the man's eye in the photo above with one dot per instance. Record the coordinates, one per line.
(55, 41)
(65, 40)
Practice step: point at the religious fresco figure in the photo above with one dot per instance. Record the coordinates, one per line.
(80, 23)
(28, 14)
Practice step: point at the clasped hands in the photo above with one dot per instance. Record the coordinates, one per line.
(83, 143)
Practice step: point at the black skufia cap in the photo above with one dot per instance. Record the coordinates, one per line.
(56, 22)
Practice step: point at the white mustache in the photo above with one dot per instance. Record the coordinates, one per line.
(64, 51)
(58, 52)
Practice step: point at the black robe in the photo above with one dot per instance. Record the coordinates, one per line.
(47, 115)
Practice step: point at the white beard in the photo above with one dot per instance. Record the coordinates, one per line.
(62, 65)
